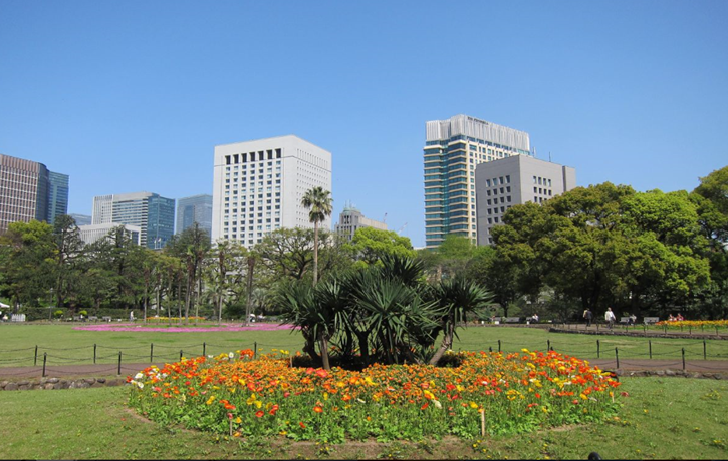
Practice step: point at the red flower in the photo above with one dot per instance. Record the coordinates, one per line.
(427, 404)
(303, 426)
(273, 410)
(259, 413)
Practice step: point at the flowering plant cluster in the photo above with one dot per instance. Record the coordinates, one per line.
(694, 323)
(489, 393)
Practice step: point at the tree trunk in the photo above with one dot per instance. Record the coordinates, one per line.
(315, 252)
(324, 346)
(449, 333)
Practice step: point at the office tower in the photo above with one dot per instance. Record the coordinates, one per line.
(28, 190)
(90, 233)
(153, 213)
(258, 186)
(499, 184)
(351, 219)
(196, 208)
(81, 219)
(57, 195)
(453, 148)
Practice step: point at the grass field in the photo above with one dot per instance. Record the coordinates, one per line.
(664, 418)
(64, 345)
(671, 418)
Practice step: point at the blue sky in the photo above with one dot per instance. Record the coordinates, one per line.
(131, 96)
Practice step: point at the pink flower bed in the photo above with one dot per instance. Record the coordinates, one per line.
(179, 329)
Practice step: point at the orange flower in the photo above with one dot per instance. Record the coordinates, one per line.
(318, 409)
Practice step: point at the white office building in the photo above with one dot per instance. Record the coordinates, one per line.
(90, 233)
(258, 186)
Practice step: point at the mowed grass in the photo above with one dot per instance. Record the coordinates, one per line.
(663, 418)
(65, 346)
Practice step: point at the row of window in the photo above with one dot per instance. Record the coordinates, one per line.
(260, 155)
(541, 181)
(498, 181)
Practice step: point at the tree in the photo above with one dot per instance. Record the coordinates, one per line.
(28, 262)
(69, 246)
(319, 202)
(456, 298)
(287, 252)
(226, 270)
(191, 246)
(370, 245)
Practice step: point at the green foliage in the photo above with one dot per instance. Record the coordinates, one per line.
(370, 245)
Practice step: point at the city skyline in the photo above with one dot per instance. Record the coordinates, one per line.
(136, 96)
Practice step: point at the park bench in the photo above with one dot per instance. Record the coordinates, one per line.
(511, 319)
(106, 319)
(93, 319)
(651, 320)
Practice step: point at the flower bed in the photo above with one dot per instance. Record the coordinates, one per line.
(487, 393)
(694, 323)
(130, 327)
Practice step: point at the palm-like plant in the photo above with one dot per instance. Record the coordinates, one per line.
(319, 203)
(456, 297)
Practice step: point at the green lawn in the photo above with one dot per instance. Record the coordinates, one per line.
(663, 418)
(670, 418)
(64, 345)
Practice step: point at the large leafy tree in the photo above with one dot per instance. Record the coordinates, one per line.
(27, 262)
(69, 248)
(370, 245)
(318, 201)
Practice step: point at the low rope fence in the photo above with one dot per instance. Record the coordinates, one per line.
(46, 358)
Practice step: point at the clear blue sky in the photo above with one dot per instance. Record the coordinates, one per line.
(134, 95)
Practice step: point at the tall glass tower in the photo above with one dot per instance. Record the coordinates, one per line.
(194, 209)
(57, 195)
(453, 148)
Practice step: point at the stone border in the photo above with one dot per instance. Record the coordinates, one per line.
(59, 383)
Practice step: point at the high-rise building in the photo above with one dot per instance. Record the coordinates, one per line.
(258, 186)
(499, 184)
(453, 148)
(351, 219)
(153, 213)
(28, 190)
(194, 209)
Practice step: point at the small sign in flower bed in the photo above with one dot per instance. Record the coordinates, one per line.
(485, 393)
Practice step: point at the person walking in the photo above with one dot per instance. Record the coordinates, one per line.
(609, 317)
(588, 317)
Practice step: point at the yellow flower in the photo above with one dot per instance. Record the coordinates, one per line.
(210, 400)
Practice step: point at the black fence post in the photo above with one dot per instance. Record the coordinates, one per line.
(597, 348)
(650, 349)
(683, 357)
(35, 357)
(45, 357)
(548, 345)
(204, 349)
(255, 350)
(616, 351)
(181, 354)
(499, 345)
(118, 365)
(94, 353)
(705, 351)
(151, 354)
